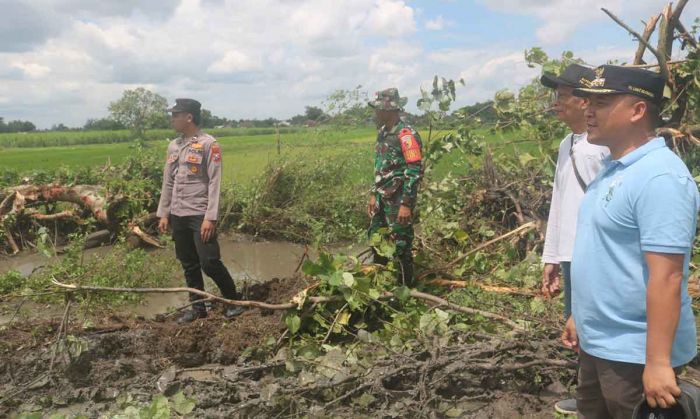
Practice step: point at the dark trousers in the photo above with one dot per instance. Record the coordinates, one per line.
(196, 256)
(608, 389)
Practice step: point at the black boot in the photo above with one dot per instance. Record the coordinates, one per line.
(231, 311)
(191, 315)
(378, 259)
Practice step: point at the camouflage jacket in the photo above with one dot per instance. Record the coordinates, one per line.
(397, 163)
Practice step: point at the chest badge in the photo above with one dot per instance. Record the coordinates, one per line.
(614, 184)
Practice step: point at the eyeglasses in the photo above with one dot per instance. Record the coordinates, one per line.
(561, 96)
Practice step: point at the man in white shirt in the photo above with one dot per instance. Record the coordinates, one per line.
(578, 164)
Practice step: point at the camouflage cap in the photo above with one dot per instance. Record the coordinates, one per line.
(388, 100)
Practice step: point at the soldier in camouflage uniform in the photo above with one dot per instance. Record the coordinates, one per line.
(397, 173)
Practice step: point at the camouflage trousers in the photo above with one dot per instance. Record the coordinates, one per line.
(386, 212)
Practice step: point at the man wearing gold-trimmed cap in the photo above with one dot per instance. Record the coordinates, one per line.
(632, 320)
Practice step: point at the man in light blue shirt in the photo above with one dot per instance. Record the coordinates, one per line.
(632, 318)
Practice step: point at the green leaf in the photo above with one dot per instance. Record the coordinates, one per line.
(311, 269)
(537, 306)
(348, 279)
(454, 412)
(365, 400)
(461, 327)
(182, 404)
(293, 322)
(335, 279)
(526, 158)
(442, 315)
(402, 293)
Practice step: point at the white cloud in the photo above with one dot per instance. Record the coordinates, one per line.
(562, 18)
(65, 60)
(436, 24)
(234, 62)
(32, 70)
(391, 18)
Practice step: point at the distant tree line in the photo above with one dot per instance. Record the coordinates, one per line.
(16, 126)
(140, 109)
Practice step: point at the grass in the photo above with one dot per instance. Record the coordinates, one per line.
(244, 156)
(71, 138)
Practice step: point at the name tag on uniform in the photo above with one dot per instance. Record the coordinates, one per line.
(194, 158)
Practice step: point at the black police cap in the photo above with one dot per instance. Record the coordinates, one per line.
(575, 75)
(615, 80)
(186, 105)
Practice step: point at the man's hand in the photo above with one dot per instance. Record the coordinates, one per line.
(660, 386)
(163, 225)
(551, 280)
(569, 337)
(371, 205)
(404, 216)
(207, 230)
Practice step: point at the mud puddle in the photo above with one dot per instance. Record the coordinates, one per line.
(249, 261)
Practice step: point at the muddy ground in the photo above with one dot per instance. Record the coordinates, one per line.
(215, 362)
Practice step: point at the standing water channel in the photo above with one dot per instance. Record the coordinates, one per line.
(248, 260)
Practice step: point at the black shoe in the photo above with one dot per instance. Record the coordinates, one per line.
(192, 315)
(566, 407)
(233, 311)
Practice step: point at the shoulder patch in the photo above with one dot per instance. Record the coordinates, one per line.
(409, 146)
(215, 153)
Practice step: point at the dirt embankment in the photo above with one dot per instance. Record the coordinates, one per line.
(208, 360)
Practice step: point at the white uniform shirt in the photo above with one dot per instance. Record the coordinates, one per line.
(567, 195)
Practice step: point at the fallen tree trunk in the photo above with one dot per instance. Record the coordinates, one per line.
(95, 200)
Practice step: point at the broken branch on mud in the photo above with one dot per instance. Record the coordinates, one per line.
(286, 306)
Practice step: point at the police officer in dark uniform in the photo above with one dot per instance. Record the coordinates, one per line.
(189, 205)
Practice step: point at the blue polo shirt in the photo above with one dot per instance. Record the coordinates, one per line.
(647, 201)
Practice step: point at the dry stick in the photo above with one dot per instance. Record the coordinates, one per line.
(467, 310)
(489, 288)
(335, 320)
(649, 28)
(657, 54)
(19, 307)
(525, 227)
(303, 257)
(656, 65)
(63, 325)
(287, 306)
(685, 35)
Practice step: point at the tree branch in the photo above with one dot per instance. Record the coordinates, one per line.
(649, 28)
(661, 59)
(286, 306)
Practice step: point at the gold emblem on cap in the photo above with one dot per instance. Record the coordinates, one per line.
(599, 80)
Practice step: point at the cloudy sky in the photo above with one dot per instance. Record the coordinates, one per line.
(65, 60)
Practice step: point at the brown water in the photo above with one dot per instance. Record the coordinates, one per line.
(247, 260)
